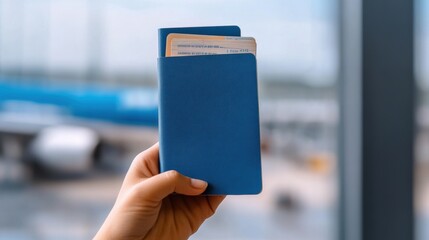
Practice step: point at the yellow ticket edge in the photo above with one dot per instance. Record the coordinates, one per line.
(171, 36)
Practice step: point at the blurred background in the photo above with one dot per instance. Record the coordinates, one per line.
(78, 100)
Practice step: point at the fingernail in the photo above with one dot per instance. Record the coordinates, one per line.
(196, 183)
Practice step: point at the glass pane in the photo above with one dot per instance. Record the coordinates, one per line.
(55, 56)
(422, 138)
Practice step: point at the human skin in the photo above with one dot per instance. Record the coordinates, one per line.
(153, 205)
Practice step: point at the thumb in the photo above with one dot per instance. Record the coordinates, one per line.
(160, 186)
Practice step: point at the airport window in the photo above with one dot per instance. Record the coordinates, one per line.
(105, 52)
(422, 118)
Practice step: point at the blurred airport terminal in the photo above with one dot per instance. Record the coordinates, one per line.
(78, 100)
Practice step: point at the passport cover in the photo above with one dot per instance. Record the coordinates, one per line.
(209, 118)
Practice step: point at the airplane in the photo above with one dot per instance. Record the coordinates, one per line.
(64, 128)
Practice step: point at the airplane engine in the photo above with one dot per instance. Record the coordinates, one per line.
(68, 149)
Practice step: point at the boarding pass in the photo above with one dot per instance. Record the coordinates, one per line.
(191, 44)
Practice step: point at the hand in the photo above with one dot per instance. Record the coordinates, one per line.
(148, 208)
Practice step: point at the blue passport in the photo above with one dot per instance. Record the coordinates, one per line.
(209, 117)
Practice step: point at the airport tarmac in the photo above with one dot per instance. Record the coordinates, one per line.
(296, 203)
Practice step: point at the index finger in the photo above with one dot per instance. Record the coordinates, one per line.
(146, 163)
